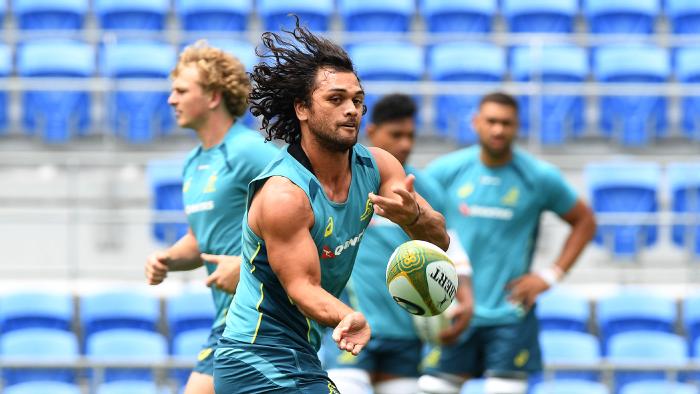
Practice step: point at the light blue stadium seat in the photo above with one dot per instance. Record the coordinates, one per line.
(190, 310)
(187, 345)
(621, 16)
(56, 115)
(50, 14)
(313, 14)
(129, 387)
(560, 346)
(165, 179)
(559, 309)
(632, 119)
(684, 16)
(541, 16)
(116, 309)
(242, 50)
(624, 187)
(688, 72)
(561, 116)
(372, 15)
(3, 11)
(5, 70)
(132, 14)
(454, 16)
(39, 344)
(691, 322)
(572, 386)
(645, 347)
(463, 62)
(684, 184)
(123, 345)
(25, 309)
(139, 116)
(214, 15)
(43, 387)
(474, 386)
(658, 387)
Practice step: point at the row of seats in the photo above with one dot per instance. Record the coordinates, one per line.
(559, 16)
(55, 387)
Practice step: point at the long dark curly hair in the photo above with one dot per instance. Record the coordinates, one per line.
(288, 73)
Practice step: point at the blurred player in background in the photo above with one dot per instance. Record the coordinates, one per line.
(495, 195)
(210, 95)
(390, 361)
(306, 216)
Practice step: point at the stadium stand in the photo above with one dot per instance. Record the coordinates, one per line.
(128, 387)
(688, 72)
(559, 346)
(34, 309)
(127, 345)
(654, 387)
(165, 180)
(691, 321)
(189, 311)
(50, 14)
(5, 70)
(684, 16)
(214, 15)
(570, 387)
(376, 16)
(454, 16)
(540, 16)
(621, 16)
(559, 309)
(132, 14)
(684, 185)
(39, 344)
(117, 309)
(43, 387)
(315, 15)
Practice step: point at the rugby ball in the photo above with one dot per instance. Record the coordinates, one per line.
(421, 278)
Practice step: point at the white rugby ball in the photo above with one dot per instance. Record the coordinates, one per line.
(421, 278)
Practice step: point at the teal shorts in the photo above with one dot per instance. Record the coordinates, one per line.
(398, 357)
(244, 368)
(205, 358)
(509, 351)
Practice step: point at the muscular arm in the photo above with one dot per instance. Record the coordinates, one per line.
(184, 255)
(583, 226)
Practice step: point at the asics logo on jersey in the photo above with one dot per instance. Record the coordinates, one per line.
(327, 253)
(329, 228)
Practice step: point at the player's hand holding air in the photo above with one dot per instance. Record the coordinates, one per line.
(525, 289)
(227, 272)
(461, 312)
(157, 267)
(402, 209)
(352, 333)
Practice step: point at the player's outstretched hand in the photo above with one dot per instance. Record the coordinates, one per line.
(403, 208)
(352, 333)
(157, 267)
(227, 272)
(525, 289)
(461, 314)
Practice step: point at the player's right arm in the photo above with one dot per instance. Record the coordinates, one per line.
(281, 215)
(184, 255)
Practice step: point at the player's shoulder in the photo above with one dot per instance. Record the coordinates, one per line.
(194, 152)
(282, 199)
(244, 139)
(458, 158)
(538, 169)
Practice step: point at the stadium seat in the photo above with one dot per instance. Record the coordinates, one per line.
(621, 16)
(50, 14)
(139, 115)
(3, 11)
(5, 70)
(463, 62)
(624, 188)
(691, 322)
(187, 345)
(632, 310)
(39, 344)
(124, 345)
(376, 16)
(458, 16)
(118, 309)
(242, 50)
(559, 346)
(43, 387)
(24, 309)
(688, 72)
(314, 15)
(540, 16)
(684, 183)
(189, 311)
(473, 386)
(56, 115)
(657, 387)
(683, 16)
(561, 115)
(214, 15)
(632, 119)
(129, 387)
(165, 179)
(132, 14)
(559, 309)
(571, 386)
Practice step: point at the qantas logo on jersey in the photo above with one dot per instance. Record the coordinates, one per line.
(487, 212)
(328, 253)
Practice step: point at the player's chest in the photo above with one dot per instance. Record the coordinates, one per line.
(492, 196)
(208, 184)
(339, 230)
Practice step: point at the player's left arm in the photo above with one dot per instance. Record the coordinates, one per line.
(399, 202)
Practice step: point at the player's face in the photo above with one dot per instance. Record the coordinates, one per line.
(335, 112)
(395, 137)
(497, 125)
(188, 98)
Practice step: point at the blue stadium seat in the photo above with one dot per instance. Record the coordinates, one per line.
(128, 387)
(688, 72)
(3, 11)
(188, 345)
(691, 322)
(474, 386)
(463, 16)
(56, 114)
(165, 178)
(684, 16)
(632, 119)
(136, 115)
(559, 309)
(559, 346)
(632, 310)
(561, 116)
(5, 70)
(24, 309)
(621, 16)
(541, 16)
(39, 344)
(118, 309)
(624, 187)
(50, 14)
(463, 62)
(572, 386)
(372, 15)
(214, 15)
(132, 14)
(657, 387)
(684, 183)
(645, 347)
(190, 310)
(242, 50)
(313, 14)
(43, 387)
(123, 345)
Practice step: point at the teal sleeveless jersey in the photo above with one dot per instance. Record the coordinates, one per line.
(367, 290)
(215, 186)
(496, 213)
(261, 311)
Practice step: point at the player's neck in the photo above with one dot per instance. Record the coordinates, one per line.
(332, 169)
(495, 161)
(213, 130)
